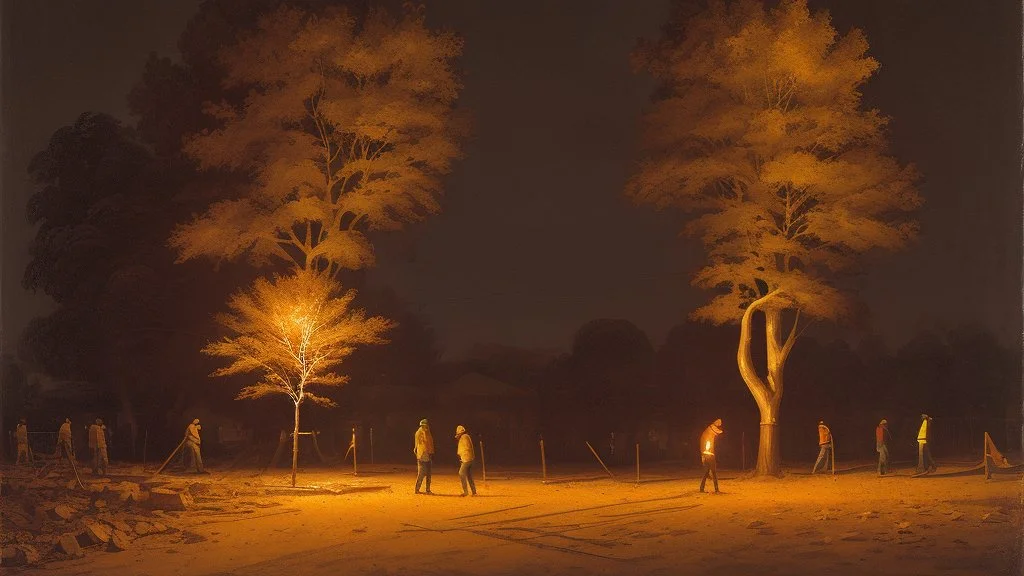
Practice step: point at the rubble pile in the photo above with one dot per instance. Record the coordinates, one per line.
(51, 518)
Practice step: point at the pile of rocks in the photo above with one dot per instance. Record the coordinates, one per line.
(51, 518)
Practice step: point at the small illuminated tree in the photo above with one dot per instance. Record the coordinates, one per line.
(757, 131)
(295, 331)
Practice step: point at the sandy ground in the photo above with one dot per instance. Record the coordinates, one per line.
(856, 523)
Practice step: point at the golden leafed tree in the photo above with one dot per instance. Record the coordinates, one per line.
(347, 127)
(294, 332)
(757, 131)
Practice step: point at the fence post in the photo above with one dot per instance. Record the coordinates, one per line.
(371, 445)
(483, 460)
(543, 461)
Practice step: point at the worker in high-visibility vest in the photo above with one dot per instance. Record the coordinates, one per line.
(707, 453)
(824, 447)
(925, 463)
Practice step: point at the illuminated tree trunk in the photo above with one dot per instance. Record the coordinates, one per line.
(767, 394)
(295, 443)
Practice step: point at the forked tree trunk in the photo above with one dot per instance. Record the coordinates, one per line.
(295, 443)
(766, 392)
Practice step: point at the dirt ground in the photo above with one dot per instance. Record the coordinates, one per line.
(373, 524)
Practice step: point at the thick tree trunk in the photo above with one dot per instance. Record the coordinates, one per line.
(295, 444)
(766, 392)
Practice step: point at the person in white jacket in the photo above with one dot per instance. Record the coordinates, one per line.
(466, 457)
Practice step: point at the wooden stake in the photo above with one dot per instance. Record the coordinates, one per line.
(984, 457)
(483, 461)
(594, 452)
(355, 465)
(371, 445)
(543, 462)
(637, 462)
(164, 465)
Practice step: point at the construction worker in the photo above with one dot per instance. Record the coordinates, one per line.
(64, 445)
(882, 446)
(466, 456)
(707, 454)
(192, 442)
(925, 463)
(824, 447)
(21, 436)
(98, 445)
(423, 448)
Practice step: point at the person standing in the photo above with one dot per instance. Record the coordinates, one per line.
(21, 436)
(423, 448)
(98, 444)
(64, 445)
(882, 446)
(466, 457)
(192, 442)
(925, 463)
(824, 447)
(707, 454)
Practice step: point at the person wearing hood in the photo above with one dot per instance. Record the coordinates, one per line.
(21, 436)
(925, 463)
(64, 445)
(423, 448)
(98, 444)
(466, 456)
(707, 453)
(882, 446)
(192, 442)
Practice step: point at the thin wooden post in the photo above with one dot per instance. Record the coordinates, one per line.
(164, 465)
(543, 462)
(483, 461)
(984, 457)
(637, 462)
(594, 452)
(355, 465)
(371, 445)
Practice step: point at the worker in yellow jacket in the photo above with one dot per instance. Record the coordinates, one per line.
(21, 436)
(466, 457)
(423, 448)
(64, 445)
(925, 463)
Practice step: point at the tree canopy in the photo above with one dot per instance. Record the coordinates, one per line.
(344, 129)
(758, 131)
(294, 331)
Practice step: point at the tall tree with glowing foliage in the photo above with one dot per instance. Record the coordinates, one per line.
(347, 127)
(294, 332)
(757, 131)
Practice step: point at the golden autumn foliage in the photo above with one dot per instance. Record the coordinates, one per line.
(759, 132)
(294, 332)
(347, 127)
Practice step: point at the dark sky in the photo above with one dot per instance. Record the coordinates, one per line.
(536, 238)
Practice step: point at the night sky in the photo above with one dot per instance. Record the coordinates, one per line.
(536, 237)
